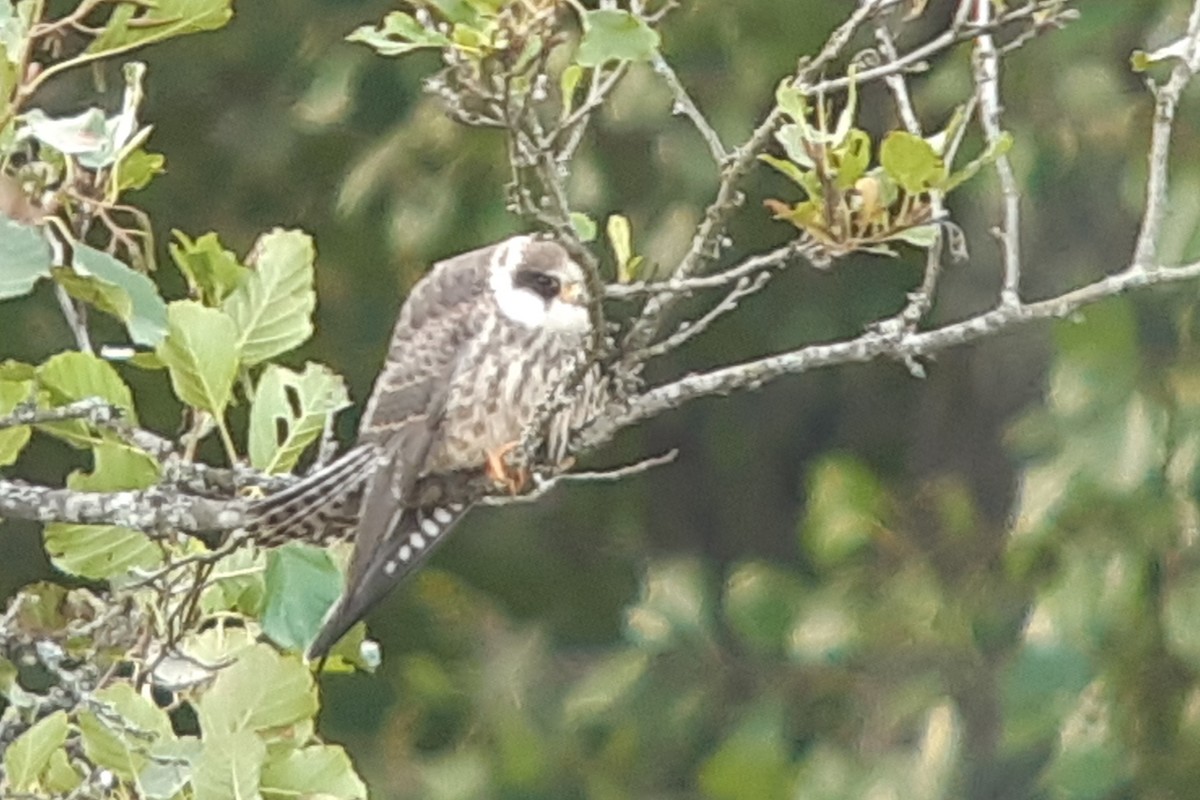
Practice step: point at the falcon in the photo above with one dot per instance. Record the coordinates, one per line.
(483, 342)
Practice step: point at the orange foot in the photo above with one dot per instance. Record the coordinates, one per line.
(514, 480)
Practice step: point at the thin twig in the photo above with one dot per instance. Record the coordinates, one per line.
(545, 485)
(690, 329)
(987, 83)
(776, 259)
(683, 104)
(1166, 100)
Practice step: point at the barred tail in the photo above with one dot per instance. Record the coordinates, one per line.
(320, 507)
(415, 535)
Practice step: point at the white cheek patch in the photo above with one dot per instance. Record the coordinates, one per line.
(566, 318)
(521, 306)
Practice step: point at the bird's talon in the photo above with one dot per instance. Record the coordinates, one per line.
(512, 480)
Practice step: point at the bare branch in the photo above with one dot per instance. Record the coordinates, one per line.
(683, 104)
(870, 347)
(987, 82)
(690, 329)
(545, 485)
(1166, 100)
(151, 510)
(776, 259)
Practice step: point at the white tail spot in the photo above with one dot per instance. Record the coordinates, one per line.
(418, 541)
(405, 553)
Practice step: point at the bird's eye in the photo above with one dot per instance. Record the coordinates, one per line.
(542, 284)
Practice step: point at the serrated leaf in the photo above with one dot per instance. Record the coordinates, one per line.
(230, 766)
(201, 354)
(13, 440)
(615, 35)
(273, 308)
(26, 257)
(123, 292)
(30, 753)
(302, 583)
(133, 26)
(289, 412)
(261, 690)
(212, 272)
(312, 771)
(398, 34)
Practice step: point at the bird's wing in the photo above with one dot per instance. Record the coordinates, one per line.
(401, 421)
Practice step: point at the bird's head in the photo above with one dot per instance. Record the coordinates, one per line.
(538, 285)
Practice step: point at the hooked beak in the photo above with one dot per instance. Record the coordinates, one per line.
(573, 293)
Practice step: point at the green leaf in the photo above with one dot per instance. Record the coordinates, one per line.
(72, 376)
(794, 137)
(911, 162)
(30, 753)
(790, 100)
(61, 778)
(398, 34)
(102, 552)
(317, 770)
(567, 83)
(261, 690)
(922, 236)
(119, 739)
(201, 354)
(289, 412)
(133, 26)
(619, 238)
(169, 769)
(615, 35)
(212, 272)
(273, 308)
(26, 257)
(845, 503)
(136, 170)
(853, 157)
(13, 440)
(230, 766)
(111, 286)
(302, 583)
(584, 226)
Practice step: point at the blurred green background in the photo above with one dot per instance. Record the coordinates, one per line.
(852, 583)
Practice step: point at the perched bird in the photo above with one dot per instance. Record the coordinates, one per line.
(483, 341)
